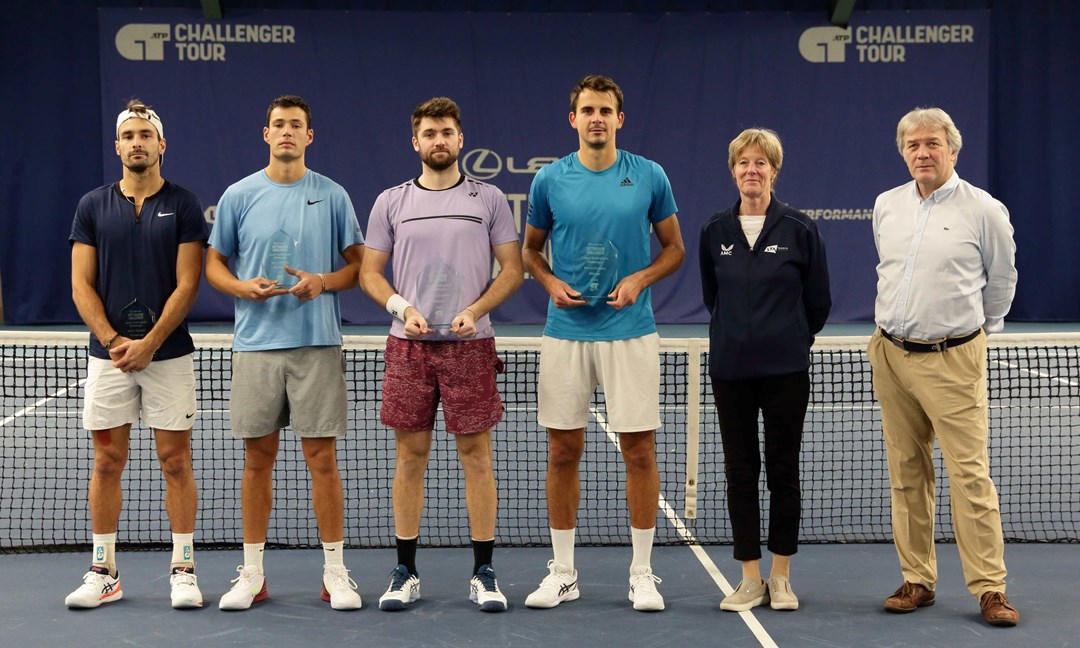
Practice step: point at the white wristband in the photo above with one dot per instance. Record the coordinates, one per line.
(396, 306)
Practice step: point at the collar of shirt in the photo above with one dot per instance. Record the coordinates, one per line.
(941, 193)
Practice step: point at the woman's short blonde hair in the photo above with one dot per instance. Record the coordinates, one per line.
(763, 138)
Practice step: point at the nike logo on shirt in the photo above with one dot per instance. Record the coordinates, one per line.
(163, 215)
(312, 202)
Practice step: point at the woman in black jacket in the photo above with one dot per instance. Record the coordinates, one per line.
(766, 284)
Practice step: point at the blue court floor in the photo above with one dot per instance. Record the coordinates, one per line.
(840, 587)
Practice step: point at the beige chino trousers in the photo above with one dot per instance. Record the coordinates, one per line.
(942, 395)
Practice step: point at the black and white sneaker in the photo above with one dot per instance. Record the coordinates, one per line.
(404, 589)
(484, 590)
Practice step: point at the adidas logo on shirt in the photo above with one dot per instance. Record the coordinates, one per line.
(626, 182)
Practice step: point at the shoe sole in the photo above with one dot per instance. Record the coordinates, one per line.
(492, 606)
(79, 605)
(186, 605)
(743, 607)
(569, 596)
(325, 595)
(644, 608)
(1002, 623)
(905, 610)
(784, 606)
(258, 598)
(394, 605)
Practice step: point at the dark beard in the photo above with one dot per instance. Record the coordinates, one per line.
(140, 167)
(436, 165)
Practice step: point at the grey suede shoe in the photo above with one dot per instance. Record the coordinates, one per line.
(749, 594)
(780, 595)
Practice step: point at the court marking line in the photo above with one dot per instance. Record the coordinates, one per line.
(748, 617)
(30, 408)
(1035, 372)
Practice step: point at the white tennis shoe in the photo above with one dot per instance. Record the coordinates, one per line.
(643, 593)
(561, 584)
(185, 589)
(338, 589)
(249, 587)
(98, 587)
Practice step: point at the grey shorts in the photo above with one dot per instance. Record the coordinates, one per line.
(303, 387)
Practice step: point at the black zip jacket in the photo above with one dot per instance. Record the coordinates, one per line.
(765, 304)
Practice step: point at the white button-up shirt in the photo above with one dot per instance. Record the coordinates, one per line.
(947, 263)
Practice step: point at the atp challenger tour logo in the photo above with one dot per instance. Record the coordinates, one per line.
(194, 41)
(877, 43)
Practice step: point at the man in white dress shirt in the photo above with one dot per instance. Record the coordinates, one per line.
(946, 279)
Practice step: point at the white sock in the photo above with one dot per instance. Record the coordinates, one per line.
(562, 543)
(332, 553)
(642, 540)
(253, 554)
(183, 550)
(105, 551)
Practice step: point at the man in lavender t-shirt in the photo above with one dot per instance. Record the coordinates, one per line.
(441, 229)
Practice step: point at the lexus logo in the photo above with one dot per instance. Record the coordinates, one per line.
(485, 164)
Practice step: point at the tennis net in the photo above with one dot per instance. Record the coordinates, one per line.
(46, 458)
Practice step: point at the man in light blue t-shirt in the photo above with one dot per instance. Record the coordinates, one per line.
(598, 206)
(285, 226)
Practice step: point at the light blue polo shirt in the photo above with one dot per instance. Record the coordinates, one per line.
(317, 215)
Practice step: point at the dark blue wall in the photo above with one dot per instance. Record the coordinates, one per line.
(51, 81)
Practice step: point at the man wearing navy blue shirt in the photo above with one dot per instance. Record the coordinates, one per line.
(136, 256)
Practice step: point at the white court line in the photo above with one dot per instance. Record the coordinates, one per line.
(26, 410)
(710, 567)
(1037, 374)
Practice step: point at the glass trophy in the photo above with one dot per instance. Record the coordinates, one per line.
(136, 320)
(438, 294)
(281, 251)
(597, 268)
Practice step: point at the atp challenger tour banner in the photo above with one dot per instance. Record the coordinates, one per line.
(692, 83)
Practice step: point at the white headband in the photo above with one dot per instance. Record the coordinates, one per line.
(147, 114)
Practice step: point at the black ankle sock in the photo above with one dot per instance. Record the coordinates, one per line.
(406, 554)
(482, 551)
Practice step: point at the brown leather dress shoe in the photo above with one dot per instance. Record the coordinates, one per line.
(997, 611)
(910, 597)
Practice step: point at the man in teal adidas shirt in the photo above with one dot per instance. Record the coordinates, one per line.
(598, 206)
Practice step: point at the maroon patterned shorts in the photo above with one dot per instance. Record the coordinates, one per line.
(461, 374)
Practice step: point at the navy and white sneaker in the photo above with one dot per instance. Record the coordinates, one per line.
(404, 589)
(484, 590)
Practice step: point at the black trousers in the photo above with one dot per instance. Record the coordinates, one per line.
(782, 402)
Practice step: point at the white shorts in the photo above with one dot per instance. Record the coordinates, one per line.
(627, 370)
(163, 394)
